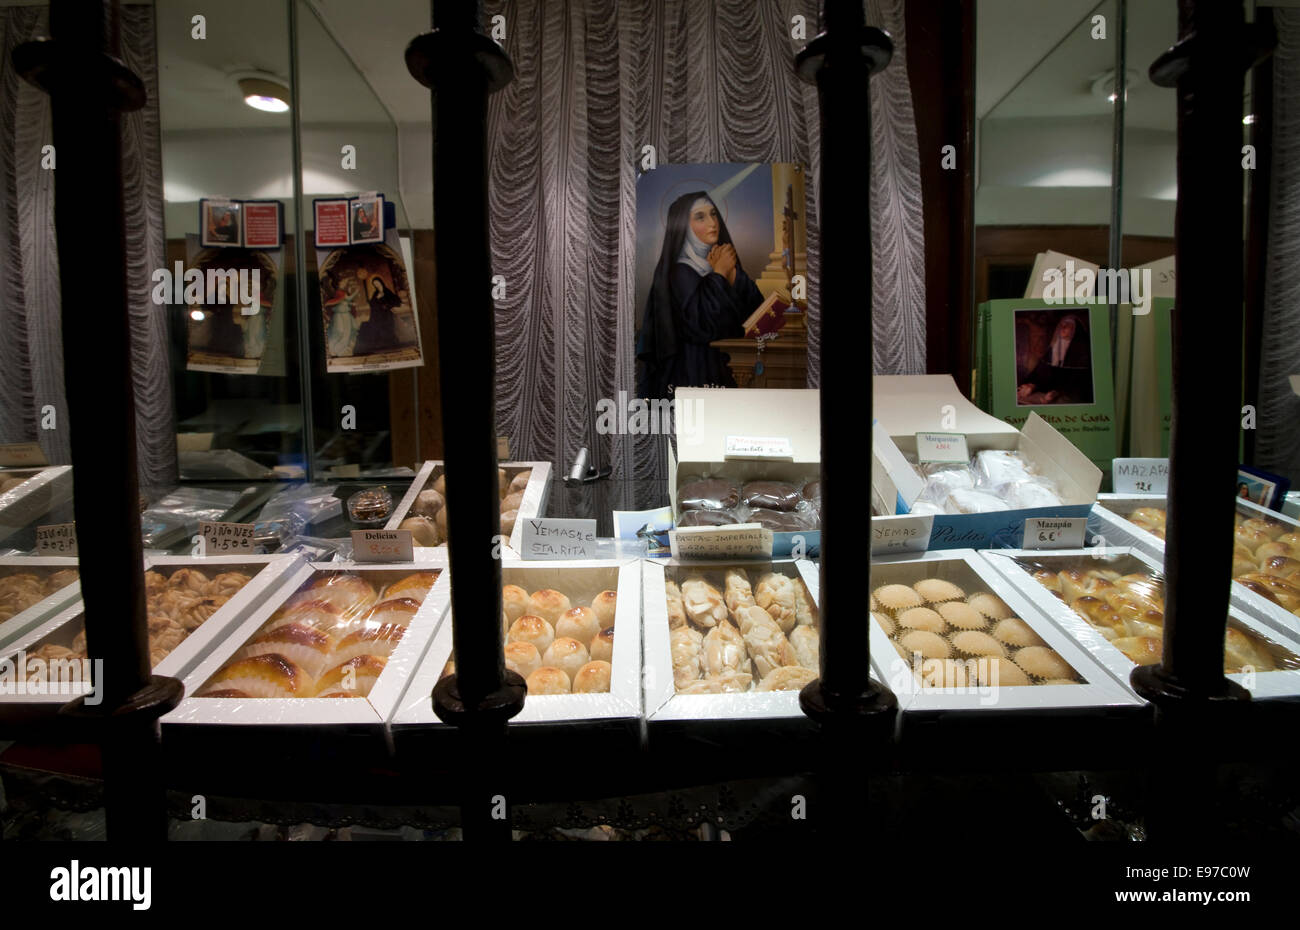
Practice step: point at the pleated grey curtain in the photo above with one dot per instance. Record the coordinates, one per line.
(1277, 447)
(702, 81)
(31, 350)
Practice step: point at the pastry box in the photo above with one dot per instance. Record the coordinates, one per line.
(333, 647)
(729, 640)
(531, 481)
(1266, 556)
(192, 603)
(33, 589)
(1115, 611)
(907, 404)
(747, 456)
(607, 664)
(33, 502)
(948, 633)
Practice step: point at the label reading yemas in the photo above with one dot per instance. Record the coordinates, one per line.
(382, 546)
(226, 538)
(1054, 532)
(56, 539)
(941, 447)
(1140, 476)
(555, 538)
(901, 534)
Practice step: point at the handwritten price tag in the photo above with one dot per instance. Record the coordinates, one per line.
(744, 541)
(56, 539)
(1140, 476)
(1054, 532)
(22, 453)
(778, 448)
(941, 447)
(382, 546)
(556, 538)
(225, 538)
(901, 534)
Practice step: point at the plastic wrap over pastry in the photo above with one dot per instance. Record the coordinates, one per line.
(942, 478)
(996, 467)
(708, 494)
(973, 500)
(779, 521)
(773, 495)
(708, 518)
(1029, 493)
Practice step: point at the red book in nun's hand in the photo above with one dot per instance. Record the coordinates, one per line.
(769, 317)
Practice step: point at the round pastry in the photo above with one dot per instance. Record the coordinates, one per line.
(1266, 552)
(1042, 662)
(1283, 567)
(602, 645)
(307, 647)
(520, 480)
(531, 629)
(503, 483)
(522, 658)
(786, 678)
(990, 605)
(1270, 528)
(1015, 632)
(227, 584)
(936, 590)
(440, 485)
(922, 618)
(578, 623)
(428, 502)
(1144, 650)
(263, 676)
(512, 501)
(188, 578)
(975, 643)
(415, 586)
(604, 605)
(424, 532)
(515, 601)
(1047, 579)
(61, 579)
(370, 641)
(508, 520)
(897, 597)
(592, 678)
(548, 604)
(1251, 539)
(440, 521)
(943, 673)
(356, 676)
(930, 645)
(320, 614)
(567, 654)
(812, 491)
(351, 593)
(1284, 593)
(79, 643)
(1098, 613)
(962, 616)
(1291, 539)
(399, 611)
(547, 680)
(884, 622)
(999, 673)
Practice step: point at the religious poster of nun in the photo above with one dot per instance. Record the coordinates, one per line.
(714, 243)
(234, 310)
(368, 308)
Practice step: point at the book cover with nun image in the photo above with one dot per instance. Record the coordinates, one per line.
(713, 243)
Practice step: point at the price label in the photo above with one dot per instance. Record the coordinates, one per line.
(775, 448)
(22, 453)
(225, 538)
(743, 541)
(382, 546)
(553, 538)
(1054, 532)
(941, 447)
(1140, 476)
(901, 534)
(56, 539)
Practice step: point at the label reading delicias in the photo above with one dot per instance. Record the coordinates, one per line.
(382, 546)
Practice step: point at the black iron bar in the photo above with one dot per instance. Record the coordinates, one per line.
(89, 88)
(462, 66)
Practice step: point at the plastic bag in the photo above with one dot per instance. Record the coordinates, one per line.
(178, 513)
(770, 495)
(292, 511)
(709, 494)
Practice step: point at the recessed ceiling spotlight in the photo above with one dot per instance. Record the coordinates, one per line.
(196, 316)
(264, 92)
(1248, 119)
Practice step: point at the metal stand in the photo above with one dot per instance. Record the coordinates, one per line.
(1193, 699)
(89, 89)
(462, 66)
(856, 714)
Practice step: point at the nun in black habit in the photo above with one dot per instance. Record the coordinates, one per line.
(699, 294)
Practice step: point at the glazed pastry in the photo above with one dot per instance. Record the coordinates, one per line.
(602, 645)
(1251, 539)
(942, 673)
(320, 614)
(1015, 632)
(1270, 528)
(930, 645)
(263, 676)
(922, 618)
(1284, 593)
(440, 523)
(512, 501)
(351, 593)
(806, 645)
(1257, 588)
(1144, 650)
(1100, 614)
(1284, 567)
(424, 531)
(775, 594)
(531, 629)
(356, 677)
(767, 646)
(567, 654)
(1049, 580)
(885, 622)
(728, 682)
(548, 680)
(724, 650)
(975, 643)
(896, 597)
(962, 616)
(578, 623)
(687, 648)
(703, 603)
(519, 481)
(787, 678)
(399, 611)
(305, 646)
(592, 678)
(676, 609)
(936, 590)
(508, 520)
(548, 604)
(1241, 650)
(514, 600)
(605, 604)
(738, 593)
(428, 502)
(416, 586)
(1042, 662)
(1153, 627)
(503, 483)
(803, 610)
(378, 641)
(990, 605)
(440, 485)
(522, 659)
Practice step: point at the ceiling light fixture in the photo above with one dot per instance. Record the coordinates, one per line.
(264, 92)
(1248, 119)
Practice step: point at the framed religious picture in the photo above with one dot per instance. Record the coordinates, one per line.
(237, 330)
(366, 215)
(219, 223)
(1261, 487)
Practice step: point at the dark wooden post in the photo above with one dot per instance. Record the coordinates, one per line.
(89, 89)
(461, 66)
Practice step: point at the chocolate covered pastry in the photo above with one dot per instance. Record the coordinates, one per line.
(773, 495)
(707, 518)
(776, 520)
(709, 494)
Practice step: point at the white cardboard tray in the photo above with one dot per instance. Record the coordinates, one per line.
(35, 497)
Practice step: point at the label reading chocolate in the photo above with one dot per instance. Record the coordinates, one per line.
(774, 448)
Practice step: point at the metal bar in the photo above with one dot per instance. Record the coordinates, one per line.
(1116, 250)
(300, 250)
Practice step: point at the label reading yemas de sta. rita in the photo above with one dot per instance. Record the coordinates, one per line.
(1054, 532)
(556, 538)
(226, 538)
(941, 447)
(56, 539)
(382, 546)
(1140, 476)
